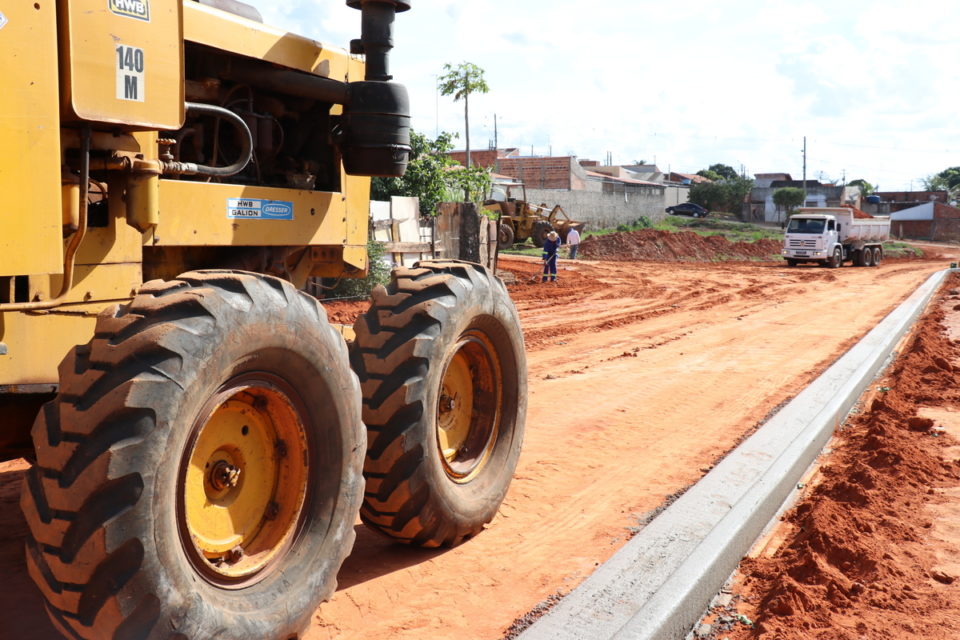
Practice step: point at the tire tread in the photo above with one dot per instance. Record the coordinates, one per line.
(392, 366)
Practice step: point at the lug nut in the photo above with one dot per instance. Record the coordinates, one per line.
(234, 555)
(224, 475)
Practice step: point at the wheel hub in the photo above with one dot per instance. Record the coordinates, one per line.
(468, 407)
(241, 495)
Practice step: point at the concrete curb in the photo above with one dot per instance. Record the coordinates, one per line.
(660, 583)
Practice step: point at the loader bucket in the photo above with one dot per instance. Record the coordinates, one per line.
(563, 228)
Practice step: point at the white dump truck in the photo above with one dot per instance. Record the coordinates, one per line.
(832, 235)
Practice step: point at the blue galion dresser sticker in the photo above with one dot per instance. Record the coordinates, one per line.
(259, 209)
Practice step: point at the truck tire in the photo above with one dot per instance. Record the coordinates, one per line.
(540, 230)
(877, 256)
(866, 257)
(791, 262)
(504, 236)
(199, 473)
(836, 260)
(441, 362)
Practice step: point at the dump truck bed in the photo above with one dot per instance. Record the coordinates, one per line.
(852, 229)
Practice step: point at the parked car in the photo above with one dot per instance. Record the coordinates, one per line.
(688, 209)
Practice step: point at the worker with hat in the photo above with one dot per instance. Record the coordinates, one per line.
(551, 247)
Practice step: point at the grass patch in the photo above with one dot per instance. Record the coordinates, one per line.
(894, 249)
(732, 231)
(525, 249)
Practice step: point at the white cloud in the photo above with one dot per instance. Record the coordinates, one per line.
(871, 84)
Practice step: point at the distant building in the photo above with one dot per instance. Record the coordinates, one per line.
(685, 178)
(764, 180)
(616, 173)
(931, 220)
(544, 172)
(649, 172)
(486, 158)
(762, 207)
(891, 201)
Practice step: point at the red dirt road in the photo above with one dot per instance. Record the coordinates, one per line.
(873, 551)
(642, 375)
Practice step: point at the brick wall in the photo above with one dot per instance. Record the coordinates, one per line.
(539, 173)
(478, 157)
(945, 226)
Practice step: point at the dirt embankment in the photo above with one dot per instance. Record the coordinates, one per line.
(683, 246)
(874, 550)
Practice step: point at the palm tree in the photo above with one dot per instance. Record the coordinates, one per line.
(460, 82)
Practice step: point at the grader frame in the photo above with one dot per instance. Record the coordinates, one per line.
(202, 438)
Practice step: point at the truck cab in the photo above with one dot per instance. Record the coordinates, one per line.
(810, 237)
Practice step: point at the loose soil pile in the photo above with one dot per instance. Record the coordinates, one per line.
(683, 246)
(345, 311)
(858, 559)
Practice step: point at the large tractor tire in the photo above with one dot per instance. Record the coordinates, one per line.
(540, 230)
(442, 366)
(199, 473)
(505, 236)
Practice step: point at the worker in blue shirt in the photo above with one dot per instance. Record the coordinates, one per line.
(551, 246)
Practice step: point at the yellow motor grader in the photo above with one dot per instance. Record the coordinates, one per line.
(201, 437)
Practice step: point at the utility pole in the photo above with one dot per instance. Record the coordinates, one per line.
(436, 85)
(496, 142)
(804, 170)
(466, 110)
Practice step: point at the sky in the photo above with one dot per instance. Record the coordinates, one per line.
(871, 84)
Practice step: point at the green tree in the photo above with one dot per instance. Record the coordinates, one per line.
(865, 187)
(378, 272)
(788, 198)
(426, 176)
(725, 195)
(946, 180)
(725, 171)
(710, 175)
(460, 82)
(473, 182)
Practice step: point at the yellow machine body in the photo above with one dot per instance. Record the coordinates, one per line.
(118, 73)
(30, 237)
(123, 62)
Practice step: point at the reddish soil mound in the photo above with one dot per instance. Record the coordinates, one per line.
(855, 565)
(684, 246)
(857, 213)
(345, 311)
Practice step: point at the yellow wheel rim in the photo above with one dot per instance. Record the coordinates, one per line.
(468, 407)
(243, 480)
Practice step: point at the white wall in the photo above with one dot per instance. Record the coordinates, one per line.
(604, 210)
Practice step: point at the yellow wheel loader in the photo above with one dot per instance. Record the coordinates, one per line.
(520, 220)
(202, 439)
